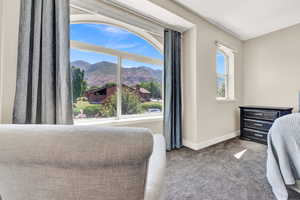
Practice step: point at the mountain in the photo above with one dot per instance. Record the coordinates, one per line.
(98, 74)
(81, 64)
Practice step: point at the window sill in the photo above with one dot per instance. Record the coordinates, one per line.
(124, 121)
(225, 100)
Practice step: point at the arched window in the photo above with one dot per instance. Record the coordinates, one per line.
(116, 73)
(225, 73)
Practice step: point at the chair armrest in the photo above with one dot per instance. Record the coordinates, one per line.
(155, 185)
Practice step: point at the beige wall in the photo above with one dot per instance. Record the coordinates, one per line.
(206, 121)
(1, 50)
(272, 69)
(8, 57)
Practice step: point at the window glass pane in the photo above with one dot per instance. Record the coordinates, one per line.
(221, 82)
(221, 63)
(94, 84)
(221, 74)
(113, 37)
(141, 88)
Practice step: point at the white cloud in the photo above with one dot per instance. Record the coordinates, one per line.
(109, 29)
(112, 29)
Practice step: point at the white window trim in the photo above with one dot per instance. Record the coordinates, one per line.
(229, 75)
(98, 19)
(120, 55)
(122, 121)
(96, 7)
(223, 100)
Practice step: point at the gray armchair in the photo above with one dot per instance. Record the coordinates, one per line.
(54, 162)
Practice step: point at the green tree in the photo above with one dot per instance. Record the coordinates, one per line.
(79, 84)
(221, 90)
(153, 87)
(148, 105)
(109, 107)
(83, 106)
(130, 104)
(93, 87)
(110, 84)
(92, 110)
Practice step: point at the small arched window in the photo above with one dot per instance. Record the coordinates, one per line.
(225, 73)
(116, 73)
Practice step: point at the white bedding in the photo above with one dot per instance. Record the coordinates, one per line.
(283, 163)
(296, 187)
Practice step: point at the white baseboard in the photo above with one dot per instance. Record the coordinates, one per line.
(207, 143)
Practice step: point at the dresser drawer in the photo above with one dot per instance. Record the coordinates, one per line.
(256, 121)
(260, 135)
(261, 114)
(255, 124)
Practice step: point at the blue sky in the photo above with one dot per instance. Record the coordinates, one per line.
(120, 39)
(110, 37)
(220, 63)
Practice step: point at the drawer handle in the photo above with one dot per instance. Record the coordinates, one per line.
(258, 114)
(258, 135)
(257, 124)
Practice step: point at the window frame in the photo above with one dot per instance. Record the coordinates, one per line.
(121, 55)
(228, 76)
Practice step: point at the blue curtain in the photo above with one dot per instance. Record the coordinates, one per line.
(172, 90)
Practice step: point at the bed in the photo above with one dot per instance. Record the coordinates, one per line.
(283, 162)
(296, 187)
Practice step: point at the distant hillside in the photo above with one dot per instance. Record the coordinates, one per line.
(81, 64)
(100, 73)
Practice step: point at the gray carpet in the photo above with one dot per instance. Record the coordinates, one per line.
(215, 174)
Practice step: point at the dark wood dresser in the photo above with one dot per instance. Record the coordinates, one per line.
(257, 120)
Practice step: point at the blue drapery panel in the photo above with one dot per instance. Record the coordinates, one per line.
(172, 90)
(43, 93)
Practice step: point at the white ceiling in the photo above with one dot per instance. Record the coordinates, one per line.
(154, 11)
(247, 18)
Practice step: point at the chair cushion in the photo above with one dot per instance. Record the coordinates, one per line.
(73, 162)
